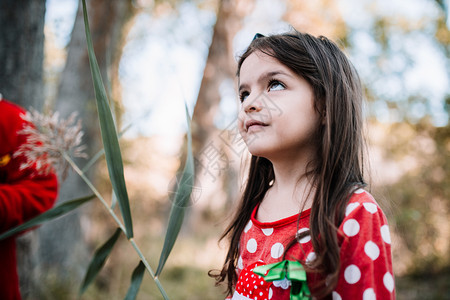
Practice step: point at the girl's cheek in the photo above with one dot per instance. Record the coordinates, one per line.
(240, 122)
(241, 130)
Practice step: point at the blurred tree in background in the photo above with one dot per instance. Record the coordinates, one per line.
(401, 51)
(74, 93)
(21, 81)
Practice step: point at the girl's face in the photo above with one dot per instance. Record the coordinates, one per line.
(277, 118)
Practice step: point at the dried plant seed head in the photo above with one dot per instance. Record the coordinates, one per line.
(48, 139)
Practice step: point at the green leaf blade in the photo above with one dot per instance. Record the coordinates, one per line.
(99, 259)
(180, 202)
(51, 214)
(109, 135)
(136, 280)
(101, 152)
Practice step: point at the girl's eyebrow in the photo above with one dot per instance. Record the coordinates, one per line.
(264, 77)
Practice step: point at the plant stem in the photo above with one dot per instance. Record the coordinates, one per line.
(149, 269)
(96, 192)
(113, 214)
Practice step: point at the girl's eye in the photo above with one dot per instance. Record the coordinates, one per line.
(243, 96)
(275, 85)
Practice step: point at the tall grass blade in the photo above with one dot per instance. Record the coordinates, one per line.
(136, 280)
(113, 199)
(93, 160)
(109, 134)
(180, 202)
(100, 153)
(51, 214)
(99, 259)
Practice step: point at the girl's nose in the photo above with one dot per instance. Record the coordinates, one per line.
(252, 105)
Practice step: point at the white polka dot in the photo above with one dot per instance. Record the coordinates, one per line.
(270, 293)
(372, 250)
(351, 227)
(240, 263)
(388, 281)
(311, 256)
(350, 208)
(385, 234)
(359, 191)
(352, 274)
(248, 226)
(277, 250)
(251, 245)
(267, 231)
(369, 294)
(284, 283)
(306, 238)
(336, 296)
(370, 207)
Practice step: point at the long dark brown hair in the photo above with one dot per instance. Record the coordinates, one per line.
(337, 169)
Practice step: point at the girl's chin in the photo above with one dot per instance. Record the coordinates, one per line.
(262, 146)
(259, 151)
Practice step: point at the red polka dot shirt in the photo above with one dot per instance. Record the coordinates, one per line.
(365, 252)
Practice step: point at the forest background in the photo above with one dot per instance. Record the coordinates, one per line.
(157, 55)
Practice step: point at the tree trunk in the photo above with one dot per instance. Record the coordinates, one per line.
(212, 148)
(21, 58)
(63, 246)
(220, 66)
(22, 51)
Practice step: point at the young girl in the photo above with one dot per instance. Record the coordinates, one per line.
(304, 200)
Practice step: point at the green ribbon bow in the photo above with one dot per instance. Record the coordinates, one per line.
(292, 270)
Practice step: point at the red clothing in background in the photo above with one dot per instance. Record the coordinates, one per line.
(23, 194)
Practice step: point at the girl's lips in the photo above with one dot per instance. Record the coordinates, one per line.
(251, 123)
